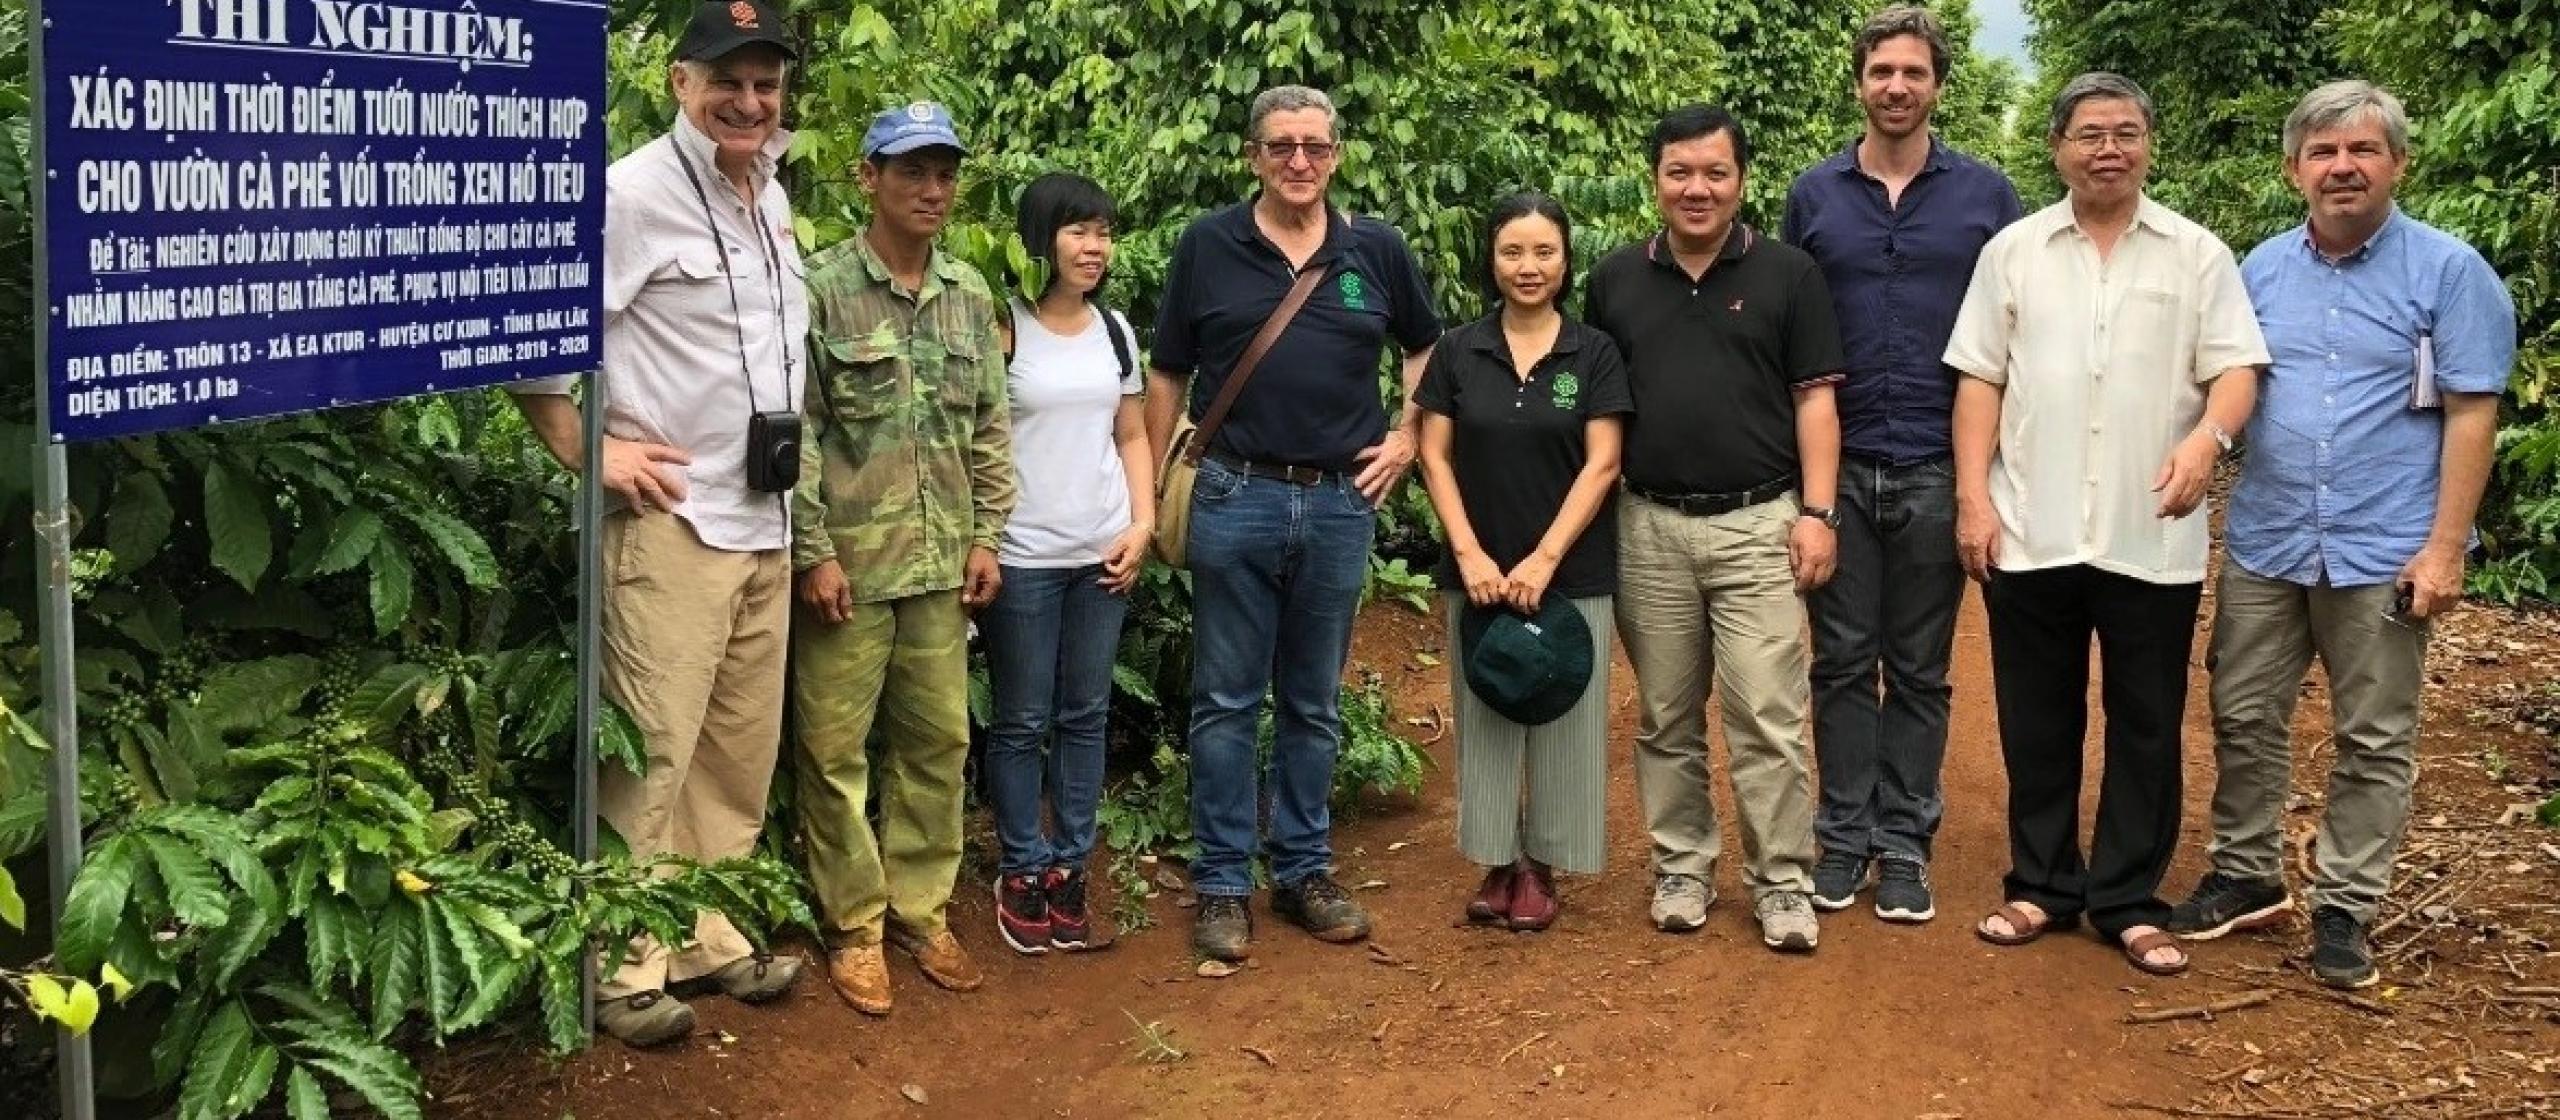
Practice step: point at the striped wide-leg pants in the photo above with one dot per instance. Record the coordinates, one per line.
(1566, 764)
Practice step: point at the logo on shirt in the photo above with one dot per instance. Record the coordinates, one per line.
(1350, 288)
(1737, 307)
(1568, 389)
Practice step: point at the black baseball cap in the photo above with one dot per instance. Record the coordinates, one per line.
(721, 26)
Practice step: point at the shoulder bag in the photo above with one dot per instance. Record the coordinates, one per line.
(1181, 466)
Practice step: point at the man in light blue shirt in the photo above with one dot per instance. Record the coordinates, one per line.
(2366, 461)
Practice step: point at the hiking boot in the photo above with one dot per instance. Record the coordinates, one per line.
(757, 977)
(645, 1019)
(2339, 955)
(1534, 904)
(1222, 927)
(2224, 903)
(1022, 912)
(1902, 891)
(1071, 925)
(941, 959)
(1787, 923)
(860, 974)
(1680, 902)
(1492, 902)
(1836, 880)
(1320, 906)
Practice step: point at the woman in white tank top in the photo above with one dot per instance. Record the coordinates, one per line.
(1070, 553)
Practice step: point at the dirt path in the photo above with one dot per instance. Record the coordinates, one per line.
(1601, 1016)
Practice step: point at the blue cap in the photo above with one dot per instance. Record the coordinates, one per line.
(924, 124)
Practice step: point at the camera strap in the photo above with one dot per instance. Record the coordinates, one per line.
(770, 262)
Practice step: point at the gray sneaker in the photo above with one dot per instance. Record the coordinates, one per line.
(1680, 902)
(1787, 923)
(645, 1019)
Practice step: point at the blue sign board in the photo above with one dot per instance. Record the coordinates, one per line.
(259, 207)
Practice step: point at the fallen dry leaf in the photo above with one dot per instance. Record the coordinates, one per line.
(1216, 969)
(912, 1092)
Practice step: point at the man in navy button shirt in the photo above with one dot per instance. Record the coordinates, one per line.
(2366, 461)
(1285, 504)
(1895, 220)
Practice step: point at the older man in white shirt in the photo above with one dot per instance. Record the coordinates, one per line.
(705, 327)
(2109, 352)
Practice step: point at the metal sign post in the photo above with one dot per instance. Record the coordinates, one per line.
(254, 208)
(74, 1065)
(582, 800)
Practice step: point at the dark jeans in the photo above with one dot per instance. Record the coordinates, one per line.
(1889, 614)
(1276, 570)
(1052, 635)
(2040, 627)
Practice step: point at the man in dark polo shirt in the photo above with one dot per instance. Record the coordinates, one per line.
(1284, 506)
(1896, 220)
(1730, 463)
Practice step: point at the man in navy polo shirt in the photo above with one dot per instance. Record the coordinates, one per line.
(1896, 220)
(2367, 458)
(1729, 467)
(1285, 503)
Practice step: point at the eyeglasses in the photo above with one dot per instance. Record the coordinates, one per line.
(1316, 151)
(2125, 139)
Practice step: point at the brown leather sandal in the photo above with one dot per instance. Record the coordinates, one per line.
(2139, 950)
(2024, 926)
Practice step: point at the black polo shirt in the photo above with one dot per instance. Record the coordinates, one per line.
(1713, 363)
(1314, 400)
(1519, 444)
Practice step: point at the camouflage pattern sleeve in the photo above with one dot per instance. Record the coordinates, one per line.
(811, 544)
(991, 476)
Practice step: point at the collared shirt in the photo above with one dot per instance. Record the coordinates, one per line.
(2103, 365)
(671, 364)
(1897, 271)
(1714, 361)
(2340, 482)
(907, 459)
(1314, 399)
(1518, 444)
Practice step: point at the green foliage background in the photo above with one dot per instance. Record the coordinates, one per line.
(324, 682)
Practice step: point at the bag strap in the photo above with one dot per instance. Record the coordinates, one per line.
(1121, 347)
(1263, 340)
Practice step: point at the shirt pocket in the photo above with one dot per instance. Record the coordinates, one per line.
(959, 372)
(861, 380)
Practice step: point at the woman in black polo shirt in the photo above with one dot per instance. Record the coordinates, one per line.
(1520, 433)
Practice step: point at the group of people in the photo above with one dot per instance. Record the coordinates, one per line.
(1765, 461)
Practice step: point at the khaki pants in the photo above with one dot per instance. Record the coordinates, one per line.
(905, 665)
(1712, 597)
(2265, 633)
(693, 648)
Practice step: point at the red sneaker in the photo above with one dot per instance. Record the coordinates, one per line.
(1492, 902)
(1534, 904)
(1022, 912)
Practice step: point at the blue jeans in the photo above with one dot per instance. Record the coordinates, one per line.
(1891, 606)
(1276, 571)
(1052, 635)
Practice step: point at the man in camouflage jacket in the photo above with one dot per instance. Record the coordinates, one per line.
(906, 479)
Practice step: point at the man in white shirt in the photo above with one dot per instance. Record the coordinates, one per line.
(705, 325)
(2109, 352)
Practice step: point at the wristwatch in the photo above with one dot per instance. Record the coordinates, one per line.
(1828, 516)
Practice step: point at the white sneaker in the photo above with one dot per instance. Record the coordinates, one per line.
(1787, 923)
(1680, 902)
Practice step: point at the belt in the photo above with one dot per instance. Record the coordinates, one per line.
(1709, 505)
(1292, 473)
